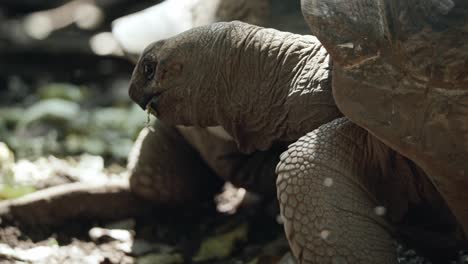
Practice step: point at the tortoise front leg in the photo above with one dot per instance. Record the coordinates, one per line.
(55, 205)
(166, 170)
(255, 171)
(330, 211)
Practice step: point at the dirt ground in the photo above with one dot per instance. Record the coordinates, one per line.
(160, 235)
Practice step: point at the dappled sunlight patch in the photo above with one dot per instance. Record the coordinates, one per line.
(230, 199)
(380, 210)
(18, 178)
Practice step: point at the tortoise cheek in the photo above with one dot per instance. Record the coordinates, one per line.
(167, 70)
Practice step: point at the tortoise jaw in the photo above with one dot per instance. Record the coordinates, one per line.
(147, 101)
(151, 103)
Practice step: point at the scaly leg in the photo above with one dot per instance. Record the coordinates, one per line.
(325, 188)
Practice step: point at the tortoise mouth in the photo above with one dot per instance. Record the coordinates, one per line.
(150, 102)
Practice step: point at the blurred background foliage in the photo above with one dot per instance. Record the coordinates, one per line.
(63, 87)
(64, 108)
(63, 79)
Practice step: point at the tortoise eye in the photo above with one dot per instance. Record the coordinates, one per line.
(148, 70)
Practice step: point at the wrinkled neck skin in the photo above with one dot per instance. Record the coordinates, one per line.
(270, 86)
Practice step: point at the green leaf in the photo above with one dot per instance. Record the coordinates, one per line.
(11, 192)
(221, 246)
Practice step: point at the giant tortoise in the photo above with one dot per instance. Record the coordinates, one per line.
(374, 110)
(392, 168)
